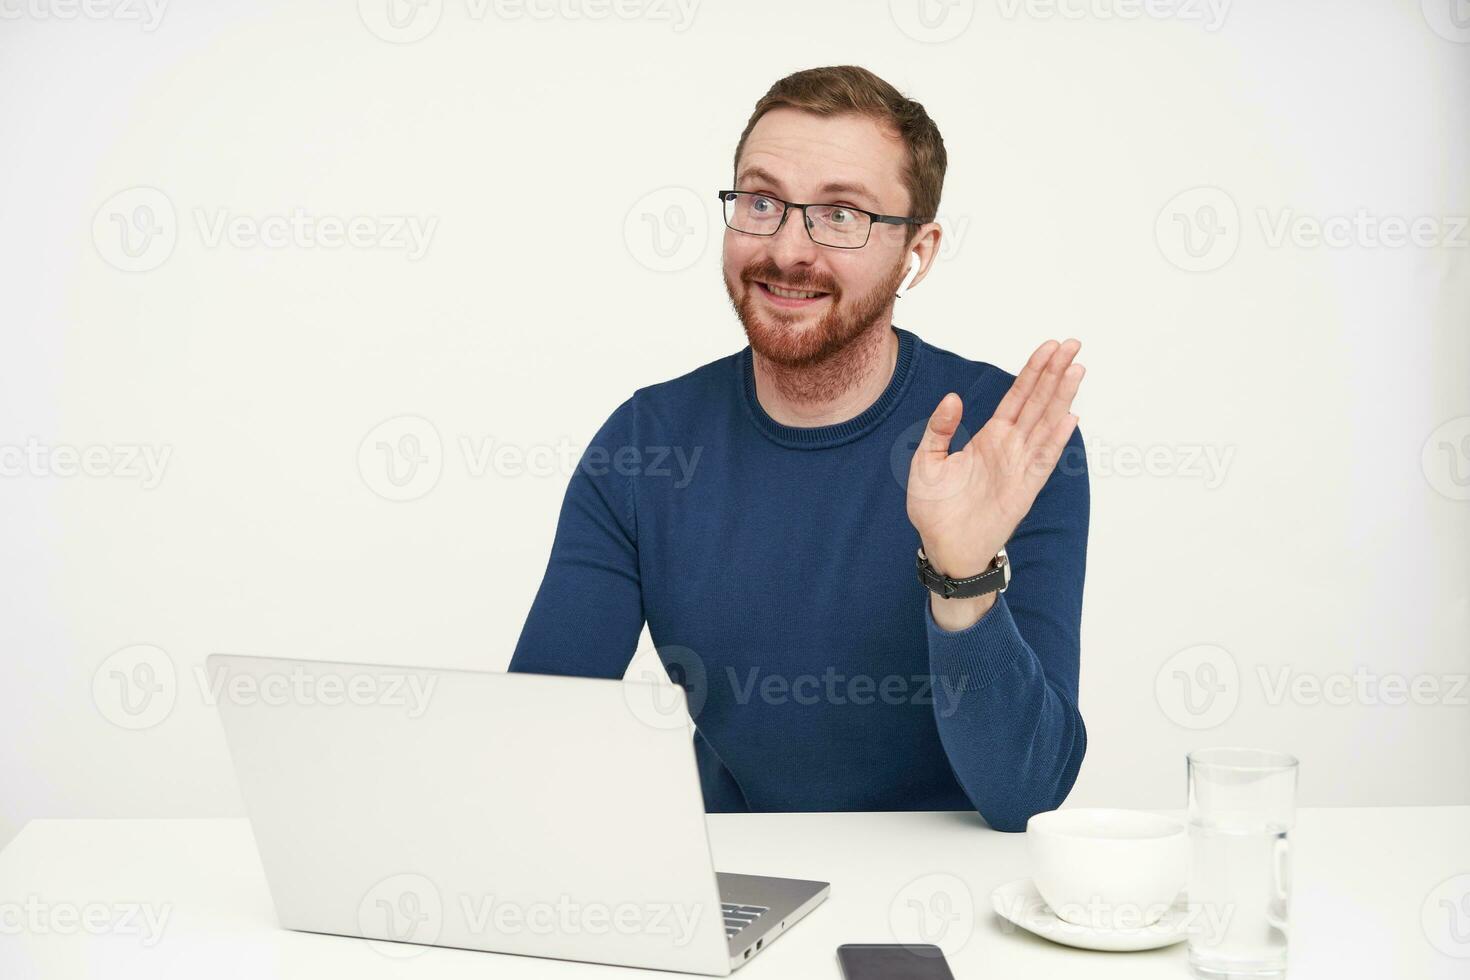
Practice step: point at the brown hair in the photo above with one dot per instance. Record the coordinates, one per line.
(848, 88)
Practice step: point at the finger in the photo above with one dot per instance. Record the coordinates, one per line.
(1010, 405)
(1040, 396)
(1051, 448)
(1061, 400)
(942, 423)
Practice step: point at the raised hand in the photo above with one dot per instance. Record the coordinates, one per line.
(966, 504)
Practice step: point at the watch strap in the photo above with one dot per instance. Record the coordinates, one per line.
(993, 579)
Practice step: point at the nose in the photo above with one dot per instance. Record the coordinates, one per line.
(792, 247)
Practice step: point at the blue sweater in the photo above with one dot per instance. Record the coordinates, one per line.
(774, 566)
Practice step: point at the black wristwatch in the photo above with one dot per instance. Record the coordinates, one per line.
(995, 578)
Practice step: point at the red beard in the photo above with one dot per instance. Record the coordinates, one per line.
(774, 334)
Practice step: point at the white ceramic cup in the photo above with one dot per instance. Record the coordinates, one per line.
(1108, 869)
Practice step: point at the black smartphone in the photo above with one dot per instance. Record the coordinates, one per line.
(892, 961)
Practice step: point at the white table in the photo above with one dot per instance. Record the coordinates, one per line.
(1364, 881)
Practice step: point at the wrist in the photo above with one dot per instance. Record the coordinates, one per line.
(954, 615)
(959, 562)
(958, 602)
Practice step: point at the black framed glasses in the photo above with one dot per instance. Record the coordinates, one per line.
(832, 225)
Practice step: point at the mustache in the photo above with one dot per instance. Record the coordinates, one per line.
(768, 272)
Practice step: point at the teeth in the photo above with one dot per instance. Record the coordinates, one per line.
(792, 293)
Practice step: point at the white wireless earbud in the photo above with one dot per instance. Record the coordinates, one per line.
(908, 278)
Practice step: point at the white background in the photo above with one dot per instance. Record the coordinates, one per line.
(565, 166)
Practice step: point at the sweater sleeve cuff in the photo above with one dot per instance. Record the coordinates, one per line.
(981, 651)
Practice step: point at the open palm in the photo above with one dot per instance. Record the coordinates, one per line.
(966, 504)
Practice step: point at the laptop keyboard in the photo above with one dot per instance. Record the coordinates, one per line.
(737, 917)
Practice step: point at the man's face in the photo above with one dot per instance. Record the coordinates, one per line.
(799, 156)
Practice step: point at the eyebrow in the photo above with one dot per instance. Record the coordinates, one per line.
(836, 187)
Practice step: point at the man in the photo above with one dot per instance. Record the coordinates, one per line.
(778, 563)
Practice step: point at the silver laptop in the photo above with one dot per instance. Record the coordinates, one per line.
(512, 813)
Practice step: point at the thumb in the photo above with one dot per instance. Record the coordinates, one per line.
(942, 424)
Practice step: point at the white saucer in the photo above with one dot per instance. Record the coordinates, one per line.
(1019, 902)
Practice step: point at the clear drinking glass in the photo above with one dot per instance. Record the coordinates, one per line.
(1242, 804)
